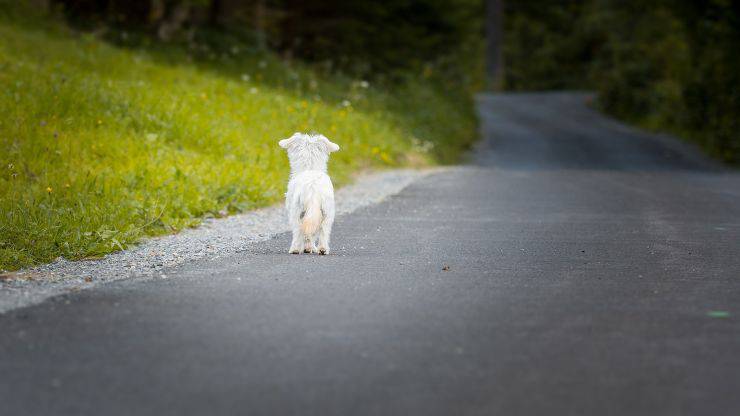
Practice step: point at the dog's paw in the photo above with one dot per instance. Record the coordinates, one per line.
(294, 251)
(323, 250)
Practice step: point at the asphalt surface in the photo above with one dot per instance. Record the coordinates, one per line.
(576, 267)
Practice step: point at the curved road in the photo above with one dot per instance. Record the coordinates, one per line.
(575, 267)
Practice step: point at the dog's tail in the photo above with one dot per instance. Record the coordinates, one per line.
(312, 215)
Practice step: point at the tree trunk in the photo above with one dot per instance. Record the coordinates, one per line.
(494, 44)
(259, 23)
(214, 13)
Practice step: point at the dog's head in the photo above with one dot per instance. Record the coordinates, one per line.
(308, 151)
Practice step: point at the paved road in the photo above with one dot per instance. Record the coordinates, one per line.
(584, 261)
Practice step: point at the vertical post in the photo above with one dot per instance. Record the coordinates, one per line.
(494, 44)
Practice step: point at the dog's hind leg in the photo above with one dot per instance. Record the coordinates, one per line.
(326, 224)
(324, 234)
(297, 244)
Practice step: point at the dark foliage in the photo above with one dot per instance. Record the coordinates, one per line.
(381, 34)
(365, 38)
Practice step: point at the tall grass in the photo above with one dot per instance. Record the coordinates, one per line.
(102, 144)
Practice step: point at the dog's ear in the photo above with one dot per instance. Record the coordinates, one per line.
(331, 147)
(287, 142)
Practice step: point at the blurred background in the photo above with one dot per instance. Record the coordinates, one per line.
(665, 64)
(122, 119)
(363, 38)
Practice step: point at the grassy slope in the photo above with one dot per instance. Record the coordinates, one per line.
(105, 144)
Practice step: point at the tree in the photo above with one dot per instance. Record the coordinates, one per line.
(494, 43)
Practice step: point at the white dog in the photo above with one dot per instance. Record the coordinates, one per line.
(310, 197)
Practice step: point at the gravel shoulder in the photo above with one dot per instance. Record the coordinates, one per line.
(215, 238)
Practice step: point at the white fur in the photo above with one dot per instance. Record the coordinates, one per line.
(310, 197)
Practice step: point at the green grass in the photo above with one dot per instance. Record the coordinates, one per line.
(104, 142)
